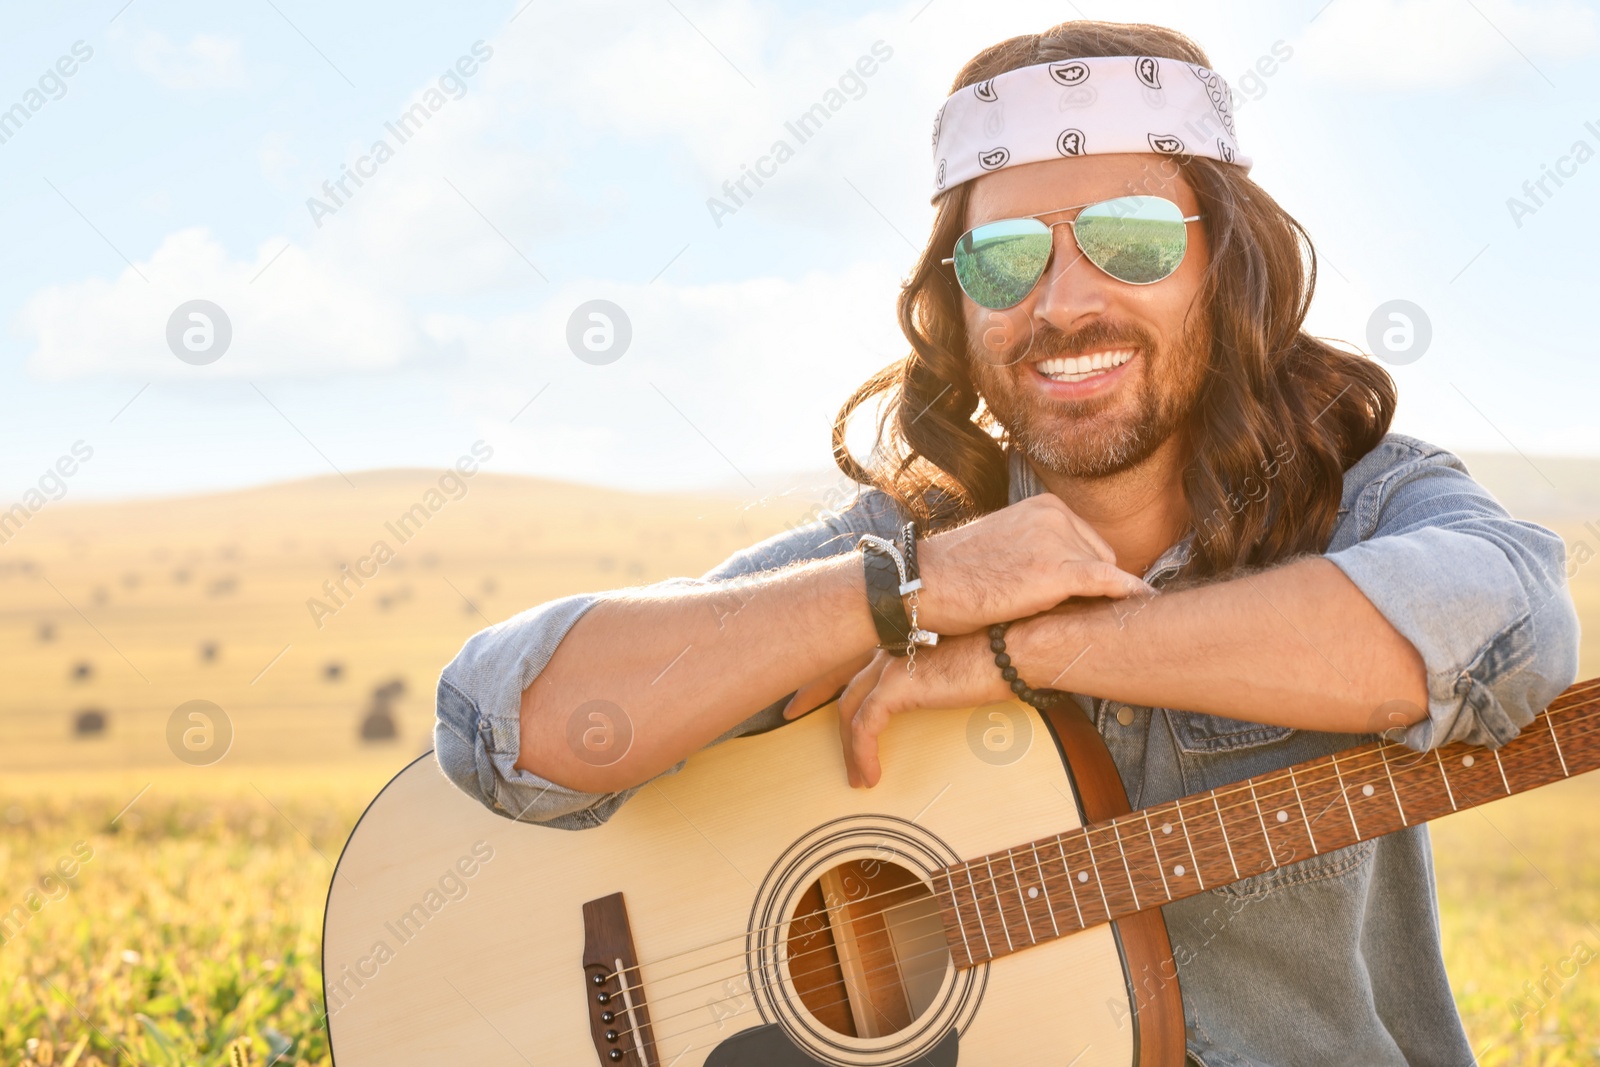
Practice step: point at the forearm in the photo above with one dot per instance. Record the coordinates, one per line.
(681, 670)
(1297, 645)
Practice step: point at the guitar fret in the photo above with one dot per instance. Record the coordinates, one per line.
(1466, 779)
(961, 924)
(1345, 793)
(1116, 832)
(1271, 852)
(1021, 897)
(983, 927)
(1383, 750)
(1559, 755)
(1066, 872)
(999, 906)
(1094, 865)
(1224, 828)
(1189, 842)
(1451, 793)
(1301, 804)
(1502, 766)
(1044, 889)
(1475, 776)
(1155, 851)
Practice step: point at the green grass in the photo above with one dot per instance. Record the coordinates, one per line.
(192, 928)
(195, 924)
(1519, 882)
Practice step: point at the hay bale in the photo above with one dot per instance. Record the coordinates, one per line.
(378, 724)
(90, 722)
(332, 671)
(82, 671)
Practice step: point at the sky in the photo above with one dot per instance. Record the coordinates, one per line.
(514, 163)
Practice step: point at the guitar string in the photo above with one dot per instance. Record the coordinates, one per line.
(790, 981)
(994, 882)
(978, 899)
(1083, 845)
(1273, 778)
(944, 951)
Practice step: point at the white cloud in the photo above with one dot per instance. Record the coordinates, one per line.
(719, 378)
(206, 61)
(1415, 44)
(299, 316)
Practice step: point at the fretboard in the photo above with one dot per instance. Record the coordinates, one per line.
(1007, 901)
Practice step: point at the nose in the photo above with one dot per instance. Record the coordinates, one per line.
(1073, 288)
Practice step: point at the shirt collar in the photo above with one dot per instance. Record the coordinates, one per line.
(1025, 482)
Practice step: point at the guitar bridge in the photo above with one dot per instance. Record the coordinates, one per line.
(618, 1018)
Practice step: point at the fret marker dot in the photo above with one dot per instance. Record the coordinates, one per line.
(1166, 828)
(1366, 790)
(1033, 891)
(1178, 870)
(1283, 816)
(1467, 761)
(1083, 876)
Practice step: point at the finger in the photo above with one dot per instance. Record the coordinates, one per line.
(851, 699)
(1087, 535)
(888, 695)
(865, 726)
(1096, 578)
(862, 682)
(1091, 538)
(850, 773)
(820, 690)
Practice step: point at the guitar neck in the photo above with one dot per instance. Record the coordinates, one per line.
(1007, 901)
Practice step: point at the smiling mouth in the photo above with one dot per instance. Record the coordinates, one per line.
(1082, 368)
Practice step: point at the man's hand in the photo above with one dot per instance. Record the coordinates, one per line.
(959, 672)
(1012, 563)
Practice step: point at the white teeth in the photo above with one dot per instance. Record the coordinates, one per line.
(1072, 369)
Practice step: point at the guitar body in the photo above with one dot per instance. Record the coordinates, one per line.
(455, 935)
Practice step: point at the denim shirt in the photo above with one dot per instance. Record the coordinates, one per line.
(1336, 958)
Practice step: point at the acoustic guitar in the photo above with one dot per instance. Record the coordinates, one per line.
(993, 900)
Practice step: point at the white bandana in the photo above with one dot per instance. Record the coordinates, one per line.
(1080, 107)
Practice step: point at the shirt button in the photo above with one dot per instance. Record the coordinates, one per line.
(1125, 715)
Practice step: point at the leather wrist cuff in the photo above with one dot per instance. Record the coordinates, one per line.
(883, 598)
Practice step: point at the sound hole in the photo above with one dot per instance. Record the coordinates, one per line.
(866, 948)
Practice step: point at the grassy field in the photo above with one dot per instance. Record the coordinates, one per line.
(173, 911)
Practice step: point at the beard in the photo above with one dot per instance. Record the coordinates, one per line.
(1086, 439)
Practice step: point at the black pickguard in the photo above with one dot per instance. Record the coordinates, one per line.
(769, 1046)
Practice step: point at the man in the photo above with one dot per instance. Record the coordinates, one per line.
(1112, 431)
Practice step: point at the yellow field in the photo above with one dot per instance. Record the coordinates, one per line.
(190, 920)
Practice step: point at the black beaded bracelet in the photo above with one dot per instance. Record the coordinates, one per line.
(1043, 699)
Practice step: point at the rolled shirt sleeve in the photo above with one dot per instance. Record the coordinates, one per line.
(478, 723)
(1482, 596)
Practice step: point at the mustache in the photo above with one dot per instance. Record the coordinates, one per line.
(1049, 341)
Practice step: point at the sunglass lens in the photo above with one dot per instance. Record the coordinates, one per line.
(999, 262)
(1136, 239)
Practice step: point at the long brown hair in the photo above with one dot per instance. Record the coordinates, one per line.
(1279, 419)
